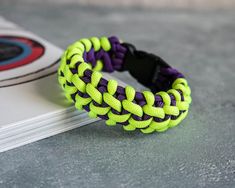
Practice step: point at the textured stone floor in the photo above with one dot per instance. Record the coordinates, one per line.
(198, 153)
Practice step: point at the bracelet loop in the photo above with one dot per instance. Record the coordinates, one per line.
(165, 106)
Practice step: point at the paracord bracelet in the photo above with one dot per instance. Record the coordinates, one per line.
(84, 85)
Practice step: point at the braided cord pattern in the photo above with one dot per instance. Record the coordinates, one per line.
(80, 77)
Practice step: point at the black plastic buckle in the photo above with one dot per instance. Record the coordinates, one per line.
(143, 66)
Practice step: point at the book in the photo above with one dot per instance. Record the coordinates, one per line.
(33, 106)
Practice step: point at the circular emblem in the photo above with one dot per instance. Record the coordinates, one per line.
(18, 51)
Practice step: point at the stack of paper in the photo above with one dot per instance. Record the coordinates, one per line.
(33, 106)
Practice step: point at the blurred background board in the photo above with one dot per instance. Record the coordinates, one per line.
(197, 153)
(191, 4)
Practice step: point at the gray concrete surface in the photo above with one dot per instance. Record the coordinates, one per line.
(197, 153)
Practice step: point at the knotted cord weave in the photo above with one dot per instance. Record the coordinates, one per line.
(80, 77)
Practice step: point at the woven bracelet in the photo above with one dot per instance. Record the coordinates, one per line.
(165, 106)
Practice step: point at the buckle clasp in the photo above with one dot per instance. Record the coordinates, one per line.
(143, 66)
